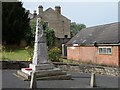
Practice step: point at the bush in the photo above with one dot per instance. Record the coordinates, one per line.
(50, 37)
(54, 54)
(30, 52)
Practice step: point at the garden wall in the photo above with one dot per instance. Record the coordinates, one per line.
(83, 68)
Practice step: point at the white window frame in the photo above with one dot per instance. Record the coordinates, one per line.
(106, 50)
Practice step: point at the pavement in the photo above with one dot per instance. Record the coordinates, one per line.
(80, 80)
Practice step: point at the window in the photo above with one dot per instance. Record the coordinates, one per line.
(109, 50)
(65, 36)
(46, 24)
(105, 50)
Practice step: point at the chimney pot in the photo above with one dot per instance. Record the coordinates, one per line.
(40, 6)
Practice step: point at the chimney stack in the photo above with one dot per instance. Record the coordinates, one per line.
(40, 10)
(58, 9)
(34, 13)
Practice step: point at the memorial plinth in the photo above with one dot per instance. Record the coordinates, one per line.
(41, 65)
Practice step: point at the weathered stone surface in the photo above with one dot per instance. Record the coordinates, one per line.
(43, 68)
(23, 75)
(93, 80)
(40, 50)
(57, 77)
(58, 22)
(54, 74)
(91, 69)
(29, 72)
(65, 67)
(33, 82)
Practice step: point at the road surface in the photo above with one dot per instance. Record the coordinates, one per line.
(80, 80)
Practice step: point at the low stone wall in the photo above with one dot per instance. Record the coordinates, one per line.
(14, 64)
(112, 71)
(83, 68)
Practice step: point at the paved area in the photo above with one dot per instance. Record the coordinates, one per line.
(80, 80)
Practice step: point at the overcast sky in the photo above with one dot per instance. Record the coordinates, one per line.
(88, 13)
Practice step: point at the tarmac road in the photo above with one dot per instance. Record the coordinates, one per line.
(80, 80)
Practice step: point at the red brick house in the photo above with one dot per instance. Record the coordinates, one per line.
(97, 45)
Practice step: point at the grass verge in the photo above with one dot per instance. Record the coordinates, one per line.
(15, 54)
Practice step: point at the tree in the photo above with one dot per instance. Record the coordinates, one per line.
(15, 23)
(75, 28)
(50, 37)
(32, 34)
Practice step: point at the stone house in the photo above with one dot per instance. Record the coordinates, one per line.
(56, 21)
(97, 45)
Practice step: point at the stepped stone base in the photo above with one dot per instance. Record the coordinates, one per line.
(50, 74)
(41, 66)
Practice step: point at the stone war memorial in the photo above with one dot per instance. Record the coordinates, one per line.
(41, 65)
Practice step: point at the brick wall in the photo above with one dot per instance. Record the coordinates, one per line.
(90, 54)
(119, 56)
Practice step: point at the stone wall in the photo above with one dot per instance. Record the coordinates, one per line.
(56, 21)
(14, 64)
(112, 71)
(83, 68)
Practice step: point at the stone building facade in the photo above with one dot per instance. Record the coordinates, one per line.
(56, 21)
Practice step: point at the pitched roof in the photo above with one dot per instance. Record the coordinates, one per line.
(102, 34)
(48, 9)
(31, 16)
(55, 12)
